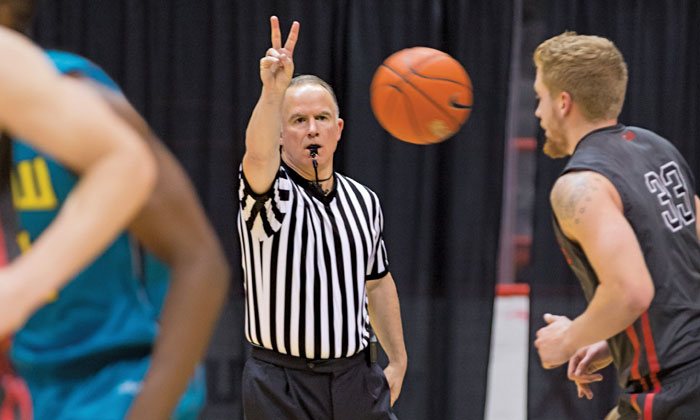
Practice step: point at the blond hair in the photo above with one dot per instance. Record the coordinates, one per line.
(589, 68)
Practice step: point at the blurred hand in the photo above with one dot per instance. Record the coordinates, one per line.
(584, 363)
(550, 342)
(394, 376)
(277, 67)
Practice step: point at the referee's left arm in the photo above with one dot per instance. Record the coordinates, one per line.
(385, 317)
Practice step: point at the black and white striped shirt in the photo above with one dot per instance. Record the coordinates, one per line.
(306, 258)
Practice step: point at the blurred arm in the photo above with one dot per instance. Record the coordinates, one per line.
(174, 226)
(70, 122)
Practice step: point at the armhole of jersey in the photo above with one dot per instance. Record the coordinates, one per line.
(378, 276)
(249, 191)
(609, 177)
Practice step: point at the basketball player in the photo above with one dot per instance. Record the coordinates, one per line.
(69, 121)
(95, 343)
(625, 217)
(315, 268)
(117, 172)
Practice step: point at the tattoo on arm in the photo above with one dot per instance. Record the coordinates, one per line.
(572, 195)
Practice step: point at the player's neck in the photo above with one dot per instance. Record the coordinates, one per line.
(580, 130)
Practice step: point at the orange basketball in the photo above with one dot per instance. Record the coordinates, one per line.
(421, 95)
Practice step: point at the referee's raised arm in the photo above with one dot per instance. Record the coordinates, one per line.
(262, 157)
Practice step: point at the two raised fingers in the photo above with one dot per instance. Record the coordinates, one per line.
(276, 35)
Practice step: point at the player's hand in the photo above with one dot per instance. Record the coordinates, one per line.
(550, 342)
(277, 67)
(584, 363)
(394, 376)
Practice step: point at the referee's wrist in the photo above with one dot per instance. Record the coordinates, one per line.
(398, 360)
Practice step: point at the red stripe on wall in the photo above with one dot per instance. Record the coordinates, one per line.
(512, 289)
(651, 352)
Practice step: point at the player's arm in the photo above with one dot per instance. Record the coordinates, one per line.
(70, 122)
(385, 316)
(174, 226)
(262, 141)
(589, 211)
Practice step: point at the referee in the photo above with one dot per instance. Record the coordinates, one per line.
(315, 267)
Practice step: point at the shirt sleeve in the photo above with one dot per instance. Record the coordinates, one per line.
(263, 214)
(378, 264)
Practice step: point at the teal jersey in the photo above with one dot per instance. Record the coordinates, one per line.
(111, 307)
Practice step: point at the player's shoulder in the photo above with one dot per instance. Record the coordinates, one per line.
(12, 39)
(18, 52)
(578, 188)
(574, 183)
(24, 69)
(641, 131)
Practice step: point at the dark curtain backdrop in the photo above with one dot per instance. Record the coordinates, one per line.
(192, 69)
(661, 43)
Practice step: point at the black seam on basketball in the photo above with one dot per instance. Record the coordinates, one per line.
(414, 71)
(431, 100)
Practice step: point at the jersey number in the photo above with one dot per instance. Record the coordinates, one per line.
(670, 188)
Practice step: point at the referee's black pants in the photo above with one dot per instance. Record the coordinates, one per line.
(282, 387)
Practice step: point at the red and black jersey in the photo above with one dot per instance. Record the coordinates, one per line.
(657, 191)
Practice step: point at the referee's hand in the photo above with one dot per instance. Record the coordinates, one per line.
(277, 67)
(394, 376)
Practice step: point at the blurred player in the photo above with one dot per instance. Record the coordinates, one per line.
(625, 216)
(68, 121)
(15, 402)
(101, 344)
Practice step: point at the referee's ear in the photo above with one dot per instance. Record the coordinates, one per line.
(340, 124)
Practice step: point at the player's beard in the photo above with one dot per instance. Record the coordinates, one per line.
(554, 148)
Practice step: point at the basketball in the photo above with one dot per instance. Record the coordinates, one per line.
(421, 95)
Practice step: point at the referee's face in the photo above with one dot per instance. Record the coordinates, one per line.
(310, 119)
